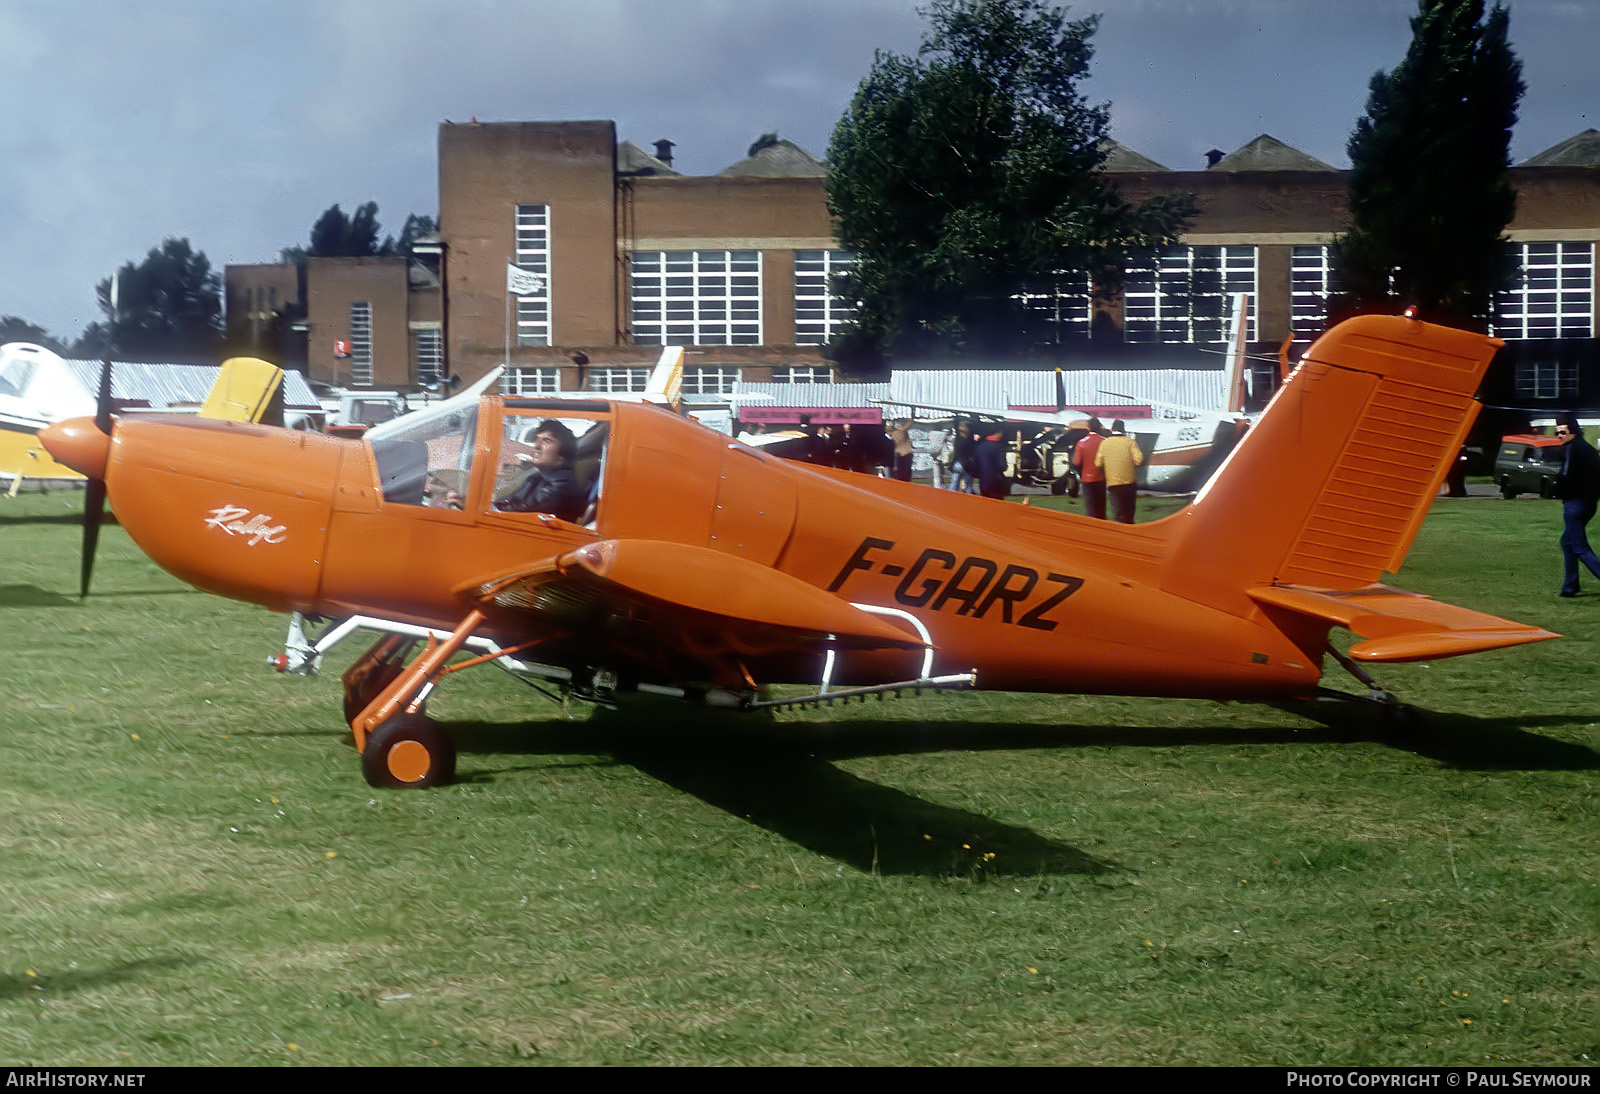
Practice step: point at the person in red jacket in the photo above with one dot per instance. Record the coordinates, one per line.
(1091, 478)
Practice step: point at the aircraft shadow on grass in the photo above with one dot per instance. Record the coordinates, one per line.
(782, 776)
(787, 784)
(31, 596)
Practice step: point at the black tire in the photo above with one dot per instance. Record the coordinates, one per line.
(1505, 490)
(408, 752)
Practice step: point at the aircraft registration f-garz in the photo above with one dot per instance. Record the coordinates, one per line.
(707, 570)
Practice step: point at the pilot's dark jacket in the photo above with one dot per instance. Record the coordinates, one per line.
(554, 492)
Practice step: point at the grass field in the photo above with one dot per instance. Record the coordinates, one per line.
(195, 872)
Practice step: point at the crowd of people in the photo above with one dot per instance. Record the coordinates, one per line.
(972, 458)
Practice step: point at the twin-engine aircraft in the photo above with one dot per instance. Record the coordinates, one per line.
(681, 563)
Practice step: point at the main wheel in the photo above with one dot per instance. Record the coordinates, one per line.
(409, 751)
(1505, 490)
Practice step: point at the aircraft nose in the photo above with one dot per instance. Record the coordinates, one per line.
(78, 444)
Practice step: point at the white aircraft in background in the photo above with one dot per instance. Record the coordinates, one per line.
(38, 388)
(1182, 445)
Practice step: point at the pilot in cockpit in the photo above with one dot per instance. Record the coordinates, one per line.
(552, 486)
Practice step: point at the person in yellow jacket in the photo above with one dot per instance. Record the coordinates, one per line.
(1119, 457)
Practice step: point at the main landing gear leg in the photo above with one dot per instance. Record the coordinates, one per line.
(400, 745)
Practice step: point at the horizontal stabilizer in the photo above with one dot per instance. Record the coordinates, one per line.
(1396, 625)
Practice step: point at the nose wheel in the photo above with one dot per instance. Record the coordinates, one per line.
(408, 751)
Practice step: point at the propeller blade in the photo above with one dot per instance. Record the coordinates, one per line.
(94, 501)
(102, 399)
(94, 498)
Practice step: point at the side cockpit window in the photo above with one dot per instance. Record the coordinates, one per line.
(550, 464)
(427, 461)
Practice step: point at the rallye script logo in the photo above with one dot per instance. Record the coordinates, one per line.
(937, 579)
(241, 522)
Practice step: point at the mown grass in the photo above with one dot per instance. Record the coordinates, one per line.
(195, 872)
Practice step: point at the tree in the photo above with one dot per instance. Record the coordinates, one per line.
(169, 307)
(13, 328)
(968, 175)
(337, 234)
(1429, 194)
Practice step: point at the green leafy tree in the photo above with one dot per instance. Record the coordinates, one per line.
(168, 308)
(968, 175)
(1429, 194)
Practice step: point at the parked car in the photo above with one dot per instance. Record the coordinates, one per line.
(1528, 463)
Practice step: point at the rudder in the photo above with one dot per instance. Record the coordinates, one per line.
(1330, 486)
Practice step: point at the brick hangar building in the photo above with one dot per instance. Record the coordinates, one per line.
(628, 255)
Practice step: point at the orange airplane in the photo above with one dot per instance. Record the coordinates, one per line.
(670, 559)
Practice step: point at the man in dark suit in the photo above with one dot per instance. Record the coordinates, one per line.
(1580, 490)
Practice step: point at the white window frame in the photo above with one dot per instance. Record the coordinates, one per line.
(532, 236)
(709, 380)
(1311, 283)
(1186, 298)
(428, 353)
(818, 313)
(360, 343)
(802, 374)
(707, 298)
(526, 380)
(1554, 297)
(619, 379)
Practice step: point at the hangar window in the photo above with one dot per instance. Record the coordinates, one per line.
(710, 298)
(533, 259)
(361, 343)
(709, 380)
(531, 381)
(619, 379)
(1554, 296)
(1185, 297)
(802, 374)
(817, 311)
(1063, 305)
(1311, 282)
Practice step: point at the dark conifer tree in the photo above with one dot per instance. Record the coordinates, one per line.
(1429, 194)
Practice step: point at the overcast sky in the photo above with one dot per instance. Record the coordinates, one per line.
(235, 123)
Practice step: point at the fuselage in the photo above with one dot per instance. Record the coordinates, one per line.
(1030, 599)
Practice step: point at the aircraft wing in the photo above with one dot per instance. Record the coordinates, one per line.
(704, 605)
(1396, 625)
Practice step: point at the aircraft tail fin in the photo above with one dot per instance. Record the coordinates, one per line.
(1236, 347)
(666, 379)
(1329, 487)
(247, 389)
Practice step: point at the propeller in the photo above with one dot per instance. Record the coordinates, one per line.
(94, 499)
